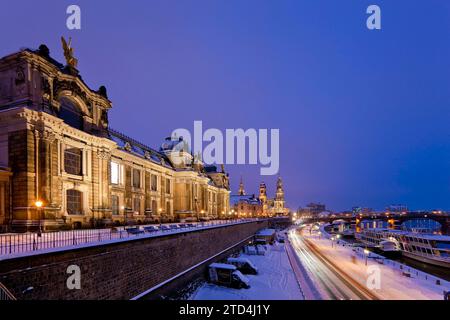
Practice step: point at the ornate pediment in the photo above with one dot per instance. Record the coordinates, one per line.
(67, 85)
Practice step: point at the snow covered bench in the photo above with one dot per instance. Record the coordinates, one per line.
(134, 231)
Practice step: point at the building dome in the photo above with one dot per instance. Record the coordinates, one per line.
(174, 144)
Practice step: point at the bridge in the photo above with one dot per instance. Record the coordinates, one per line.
(394, 220)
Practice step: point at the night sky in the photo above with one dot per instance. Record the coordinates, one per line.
(364, 116)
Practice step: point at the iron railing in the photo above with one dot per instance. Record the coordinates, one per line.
(5, 294)
(19, 243)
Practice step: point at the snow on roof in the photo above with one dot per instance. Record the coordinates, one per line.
(241, 260)
(266, 232)
(137, 148)
(222, 266)
(242, 277)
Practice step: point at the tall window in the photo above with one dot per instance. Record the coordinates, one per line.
(73, 161)
(154, 183)
(71, 114)
(167, 185)
(115, 173)
(154, 207)
(74, 201)
(136, 178)
(115, 205)
(137, 205)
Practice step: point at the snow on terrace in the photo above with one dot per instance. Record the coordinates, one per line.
(394, 285)
(275, 280)
(28, 244)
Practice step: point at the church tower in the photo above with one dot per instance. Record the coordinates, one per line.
(262, 193)
(263, 197)
(241, 191)
(279, 197)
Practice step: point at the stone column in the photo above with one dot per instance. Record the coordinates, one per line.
(103, 179)
(46, 167)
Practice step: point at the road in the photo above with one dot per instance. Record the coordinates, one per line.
(333, 282)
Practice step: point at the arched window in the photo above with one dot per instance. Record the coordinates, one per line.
(71, 114)
(74, 201)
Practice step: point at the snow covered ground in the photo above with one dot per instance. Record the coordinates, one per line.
(393, 285)
(275, 280)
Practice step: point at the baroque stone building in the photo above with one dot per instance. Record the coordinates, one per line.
(244, 205)
(56, 148)
(273, 206)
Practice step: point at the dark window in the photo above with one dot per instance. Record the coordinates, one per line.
(72, 161)
(167, 186)
(71, 114)
(154, 183)
(137, 205)
(115, 205)
(136, 178)
(74, 203)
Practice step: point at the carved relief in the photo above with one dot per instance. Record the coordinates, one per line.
(19, 80)
(59, 86)
(20, 76)
(46, 89)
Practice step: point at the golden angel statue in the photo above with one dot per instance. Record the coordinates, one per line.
(68, 53)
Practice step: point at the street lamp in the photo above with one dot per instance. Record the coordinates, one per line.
(366, 253)
(39, 205)
(332, 242)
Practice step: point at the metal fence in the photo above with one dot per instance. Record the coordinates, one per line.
(14, 243)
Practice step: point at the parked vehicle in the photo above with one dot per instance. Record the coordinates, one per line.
(244, 265)
(227, 275)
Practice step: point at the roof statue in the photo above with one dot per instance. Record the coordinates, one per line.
(68, 53)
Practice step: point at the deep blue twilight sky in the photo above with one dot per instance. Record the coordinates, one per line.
(364, 116)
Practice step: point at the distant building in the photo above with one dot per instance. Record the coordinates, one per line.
(276, 206)
(261, 206)
(246, 206)
(394, 208)
(363, 211)
(312, 210)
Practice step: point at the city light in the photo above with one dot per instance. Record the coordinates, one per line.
(39, 203)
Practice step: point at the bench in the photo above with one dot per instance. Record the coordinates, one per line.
(134, 231)
(150, 229)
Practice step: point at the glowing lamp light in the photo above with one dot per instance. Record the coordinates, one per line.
(366, 252)
(39, 203)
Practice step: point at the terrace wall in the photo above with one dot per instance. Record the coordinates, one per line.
(121, 270)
